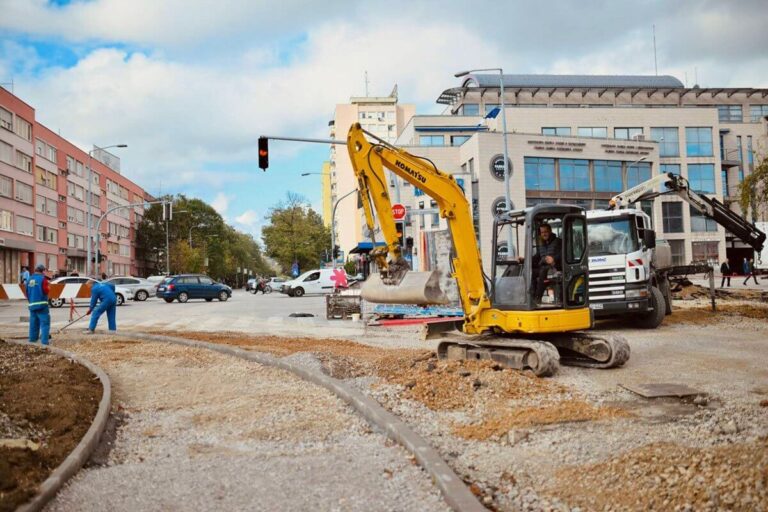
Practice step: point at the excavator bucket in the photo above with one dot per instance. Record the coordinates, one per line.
(420, 288)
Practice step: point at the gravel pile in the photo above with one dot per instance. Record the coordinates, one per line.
(203, 431)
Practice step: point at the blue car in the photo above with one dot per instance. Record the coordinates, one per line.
(192, 286)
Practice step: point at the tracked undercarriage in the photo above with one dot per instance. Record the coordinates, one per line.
(540, 354)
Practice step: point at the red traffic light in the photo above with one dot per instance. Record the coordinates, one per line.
(263, 153)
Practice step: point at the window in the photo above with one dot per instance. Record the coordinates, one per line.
(431, 140)
(75, 215)
(561, 130)
(678, 251)
(757, 112)
(75, 241)
(45, 178)
(592, 131)
(539, 173)
(203, 280)
(668, 139)
(70, 164)
(730, 113)
(627, 133)
(700, 223)
(491, 106)
(23, 161)
(698, 141)
(125, 250)
(470, 109)
(667, 168)
(45, 150)
(47, 235)
(672, 217)
(6, 153)
(750, 154)
(24, 225)
(435, 216)
(608, 176)
(702, 178)
(6, 220)
(75, 191)
(22, 128)
(6, 186)
(705, 251)
(6, 119)
(23, 192)
(79, 168)
(638, 173)
(458, 140)
(574, 174)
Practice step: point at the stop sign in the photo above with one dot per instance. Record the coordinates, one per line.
(398, 211)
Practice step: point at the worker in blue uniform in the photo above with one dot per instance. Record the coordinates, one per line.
(39, 316)
(102, 294)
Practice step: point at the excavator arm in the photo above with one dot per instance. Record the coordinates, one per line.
(368, 161)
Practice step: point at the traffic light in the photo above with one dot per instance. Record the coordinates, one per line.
(336, 250)
(263, 153)
(400, 229)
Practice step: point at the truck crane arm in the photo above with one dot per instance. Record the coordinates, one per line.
(710, 207)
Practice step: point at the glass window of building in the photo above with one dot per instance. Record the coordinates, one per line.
(700, 223)
(431, 140)
(458, 140)
(668, 139)
(574, 174)
(608, 176)
(491, 106)
(24, 225)
(705, 251)
(533, 201)
(602, 204)
(23, 161)
(738, 150)
(470, 109)
(724, 179)
(667, 168)
(702, 178)
(23, 192)
(678, 251)
(730, 113)
(6, 220)
(637, 173)
(627, 133)
(6, 119)
(6, 186)
(539, 173)
(592, 131)
(750, 154)
(6, 153)
(757, 112)
(698, 141)
(584, 203)
(22, 128)
(672, 217)
(559, 130)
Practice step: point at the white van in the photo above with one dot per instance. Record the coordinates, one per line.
(311, 282)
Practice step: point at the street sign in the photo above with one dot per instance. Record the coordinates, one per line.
(398, 211)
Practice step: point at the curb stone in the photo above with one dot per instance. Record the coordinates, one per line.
(456, 494)
(82, 452)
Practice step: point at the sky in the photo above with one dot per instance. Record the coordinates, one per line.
(189, 85)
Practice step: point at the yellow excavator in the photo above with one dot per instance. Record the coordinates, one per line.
(509, 323)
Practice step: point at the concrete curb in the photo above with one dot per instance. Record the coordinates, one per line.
(87, 444)
(456, 493)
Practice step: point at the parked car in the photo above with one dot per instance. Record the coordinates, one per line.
(312, 282)
(192, 286)
(122, 293)
(142, 288)
(276, 283)
(250, 284)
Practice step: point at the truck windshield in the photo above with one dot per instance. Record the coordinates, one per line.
(611, 236)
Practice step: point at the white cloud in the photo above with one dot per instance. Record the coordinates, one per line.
(250, 221)
(220, 203)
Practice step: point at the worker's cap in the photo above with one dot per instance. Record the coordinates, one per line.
(40, 267)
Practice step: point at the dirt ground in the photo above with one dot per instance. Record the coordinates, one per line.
(47, 403)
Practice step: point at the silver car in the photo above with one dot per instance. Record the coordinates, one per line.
(142, 288)
(122, 294)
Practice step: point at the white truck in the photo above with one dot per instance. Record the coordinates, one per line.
(761, 257)
(628, 268)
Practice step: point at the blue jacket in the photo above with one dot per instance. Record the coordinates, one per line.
(745, 267)
(104, 292)
(37, 292)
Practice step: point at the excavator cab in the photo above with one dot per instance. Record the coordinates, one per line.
(522, 280)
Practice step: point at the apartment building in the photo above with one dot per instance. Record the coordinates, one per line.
(582, 139)
(45, 197)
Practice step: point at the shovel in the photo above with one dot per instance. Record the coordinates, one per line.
(72, 322)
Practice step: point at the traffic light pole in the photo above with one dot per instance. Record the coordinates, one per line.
(333, 226)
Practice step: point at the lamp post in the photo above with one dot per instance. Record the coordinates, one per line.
(193, 227)
(507, 201)
(88, 267)
(333, 224)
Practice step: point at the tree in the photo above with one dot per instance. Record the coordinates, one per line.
(753, 192)
(295, 233)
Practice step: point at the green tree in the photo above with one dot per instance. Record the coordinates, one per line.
(295, 233)
(753, 192)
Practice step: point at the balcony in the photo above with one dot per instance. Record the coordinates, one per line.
(730, 157)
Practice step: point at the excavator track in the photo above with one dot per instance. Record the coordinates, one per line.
(539, 356)
(591, 350)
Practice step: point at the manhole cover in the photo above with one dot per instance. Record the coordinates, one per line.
(661, 389)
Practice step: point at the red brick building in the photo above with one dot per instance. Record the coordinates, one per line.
(44, 200)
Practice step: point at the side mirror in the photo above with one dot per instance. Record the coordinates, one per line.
(649, 238)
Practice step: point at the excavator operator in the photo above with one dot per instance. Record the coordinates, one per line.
(547, 257)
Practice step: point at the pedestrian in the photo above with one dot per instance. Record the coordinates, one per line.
(749, 271)
(39, 316)
(24, 276)
(725, 269)
(103, 299)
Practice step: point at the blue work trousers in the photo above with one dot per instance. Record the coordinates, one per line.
(39, 325)
(110, 308)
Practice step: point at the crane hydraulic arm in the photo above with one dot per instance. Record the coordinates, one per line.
(707, 206)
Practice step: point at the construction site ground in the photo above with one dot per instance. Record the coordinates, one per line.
(191, 420)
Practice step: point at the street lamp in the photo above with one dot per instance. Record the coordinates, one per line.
(320, 173)
(88, 267)
(193, 227)
(333, 224)
(507, 201)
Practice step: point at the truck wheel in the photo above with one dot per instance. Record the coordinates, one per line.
(298, 292)
(652, 319)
